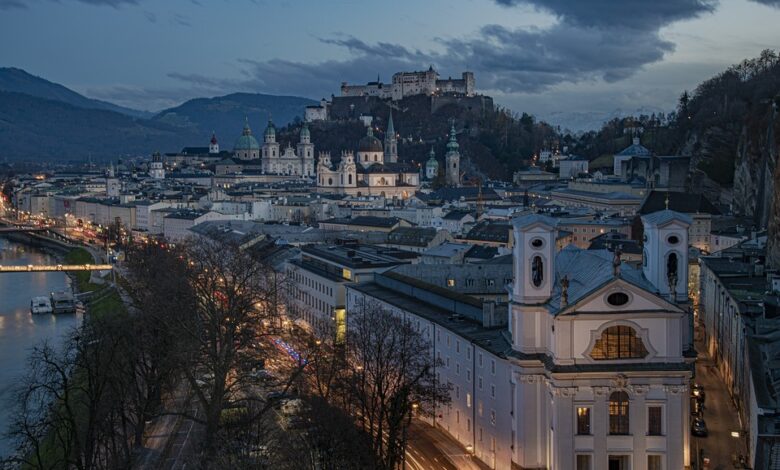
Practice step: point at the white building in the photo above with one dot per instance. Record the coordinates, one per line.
(291, 162)
(405, 84)
(572, 166)
(589, 367)
(156, 170)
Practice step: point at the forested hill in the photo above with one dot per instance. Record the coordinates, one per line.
(494, 142)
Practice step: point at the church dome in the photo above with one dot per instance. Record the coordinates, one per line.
(369, 143)
(432, 162)
(246, 141)
(305, 133)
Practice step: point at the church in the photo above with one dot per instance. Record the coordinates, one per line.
(373, 171)
(272, 160)
(587, 367)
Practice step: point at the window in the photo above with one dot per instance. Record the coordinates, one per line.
(655, 420)
(654, 462)
(493, 366)
(480, 382)
(584, 462)
(492, 391)
(536, 271)
(468, 400)
(493, 417)
(616, 299)
(583, 420)
(450, 282)
(618, 342)
(618, 413)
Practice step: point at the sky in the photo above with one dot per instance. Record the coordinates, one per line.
(544, 57)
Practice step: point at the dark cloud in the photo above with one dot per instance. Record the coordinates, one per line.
(12, 4)
(607, 40)
(151, 17)
(771, 3)
(641, 15)
(20, 4)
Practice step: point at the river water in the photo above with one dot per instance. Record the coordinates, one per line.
(19, 329)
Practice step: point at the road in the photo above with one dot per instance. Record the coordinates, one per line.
(432, 448)
(720, 415)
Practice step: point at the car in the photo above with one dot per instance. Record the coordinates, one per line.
(697, 407)
(699, 427)
(697, 391)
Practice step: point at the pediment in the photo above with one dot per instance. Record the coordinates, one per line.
(636, 299)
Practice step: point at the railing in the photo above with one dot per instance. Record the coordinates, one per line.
(55, 267)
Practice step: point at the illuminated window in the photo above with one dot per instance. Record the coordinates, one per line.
(618, 413)
(450, 282)
(618, 342)
(583, 420)
(346, 274)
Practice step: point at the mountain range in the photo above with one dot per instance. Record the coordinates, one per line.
(40, 119)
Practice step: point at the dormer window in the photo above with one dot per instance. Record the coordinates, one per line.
(616, 299)
(673, 240)
(537, 243)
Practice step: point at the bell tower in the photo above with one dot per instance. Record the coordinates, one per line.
(533, 259)
(665, 256)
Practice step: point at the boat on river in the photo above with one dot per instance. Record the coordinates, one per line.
(40, 304)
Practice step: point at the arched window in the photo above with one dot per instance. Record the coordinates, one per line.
(350, 178)
(618, 342)
(618, 413)
(330, 181)
(537, 268)
(671, 270)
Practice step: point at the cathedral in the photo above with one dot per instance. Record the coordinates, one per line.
(297, 162)
(373, 171)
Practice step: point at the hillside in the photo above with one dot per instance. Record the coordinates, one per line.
(493, 141)
(225, 115)
(37, 128)
(18, 81)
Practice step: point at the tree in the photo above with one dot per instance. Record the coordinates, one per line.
(392, 378)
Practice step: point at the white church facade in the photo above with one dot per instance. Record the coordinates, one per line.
(588, 370)
(373, 171)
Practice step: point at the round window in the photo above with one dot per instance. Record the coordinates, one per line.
(673, 239)
(617, 299)
(537, 243)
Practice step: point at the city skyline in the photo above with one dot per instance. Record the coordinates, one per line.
(539, 57)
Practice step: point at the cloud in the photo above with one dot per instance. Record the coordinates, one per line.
(151, 17)
(771, 3)
(12, 4)
(181, 20)
(598, 40)
(20, 4)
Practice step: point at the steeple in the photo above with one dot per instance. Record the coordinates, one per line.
(213, 144)
(391, 142)
(452, 159)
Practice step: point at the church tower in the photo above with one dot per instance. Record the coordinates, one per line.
(665, 256)
(270, 148)
(213, 145)
(534, 277)
(391, 142)
(156, 169)
(431, 166)
(452, 160)
(305, 152)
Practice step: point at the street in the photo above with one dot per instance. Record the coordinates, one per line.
(719, 413)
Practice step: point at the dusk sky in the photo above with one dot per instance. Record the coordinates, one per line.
(539, 56)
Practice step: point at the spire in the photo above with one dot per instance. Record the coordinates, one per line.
(666, 201)
(452, 145)
(390, 127)
(370, 131)
(213, 137)
(247, 129)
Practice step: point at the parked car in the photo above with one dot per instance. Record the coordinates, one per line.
(697, 391)
(699, 427)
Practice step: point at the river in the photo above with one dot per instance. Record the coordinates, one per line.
(19, 329)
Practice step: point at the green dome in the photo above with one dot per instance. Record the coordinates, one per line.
(246, 141)
(432, 162)
(305, 131)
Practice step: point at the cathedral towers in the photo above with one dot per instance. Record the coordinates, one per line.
(452, 160)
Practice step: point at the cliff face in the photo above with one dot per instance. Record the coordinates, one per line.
(757, 177)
